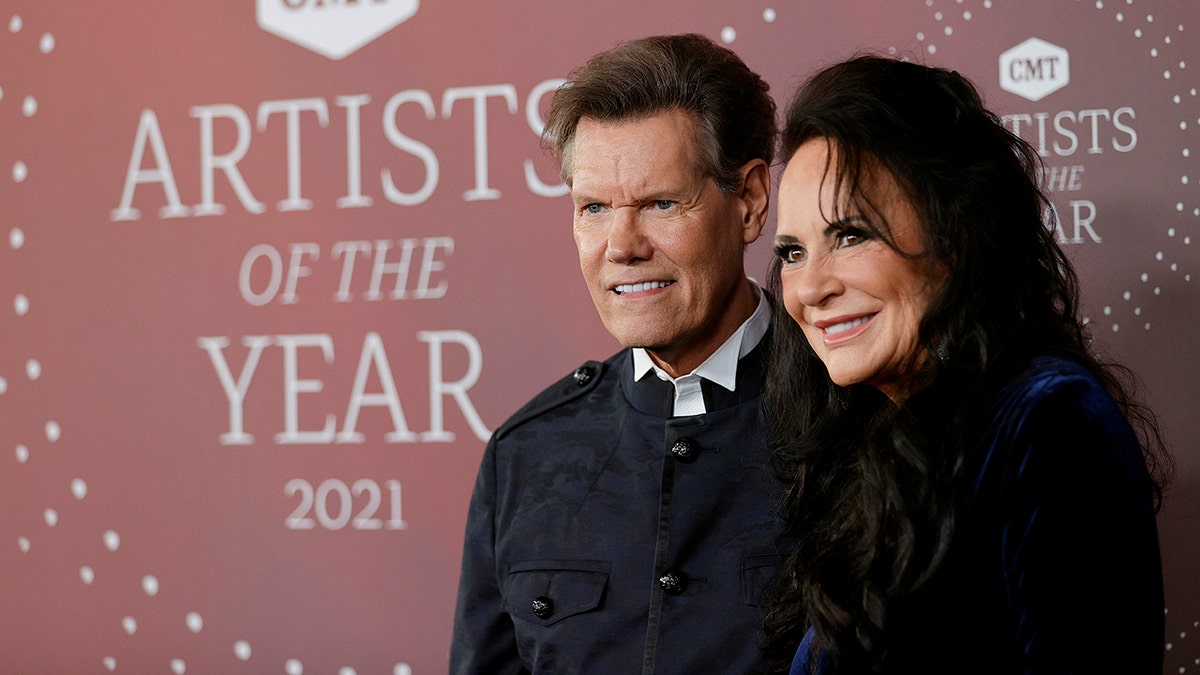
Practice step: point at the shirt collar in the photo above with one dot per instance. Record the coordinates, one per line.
(721, 366)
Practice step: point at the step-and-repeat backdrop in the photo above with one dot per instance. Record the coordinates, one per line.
(271, 271)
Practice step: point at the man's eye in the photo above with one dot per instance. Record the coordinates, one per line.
(593, 208)
(664, 204)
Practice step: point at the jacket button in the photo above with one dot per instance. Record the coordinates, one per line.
(583, 375)
(672, 583)
(685, 450)
(543, 607)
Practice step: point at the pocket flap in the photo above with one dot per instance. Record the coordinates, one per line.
(544, 592)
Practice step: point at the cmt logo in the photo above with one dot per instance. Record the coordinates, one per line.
(1034, 69)
(333, 28)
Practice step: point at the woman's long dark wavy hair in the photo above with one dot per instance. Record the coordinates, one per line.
(871, 500)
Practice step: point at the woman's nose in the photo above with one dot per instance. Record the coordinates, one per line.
(814, 283)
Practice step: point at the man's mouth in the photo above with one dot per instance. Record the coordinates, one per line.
(622, 289)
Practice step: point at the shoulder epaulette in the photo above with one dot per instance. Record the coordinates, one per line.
(581, 381)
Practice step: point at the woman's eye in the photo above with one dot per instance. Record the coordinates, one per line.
(851, 238)
(790, 254)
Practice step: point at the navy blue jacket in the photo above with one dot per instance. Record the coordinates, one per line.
(605, 536)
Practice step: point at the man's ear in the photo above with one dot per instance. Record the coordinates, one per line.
(755, 197)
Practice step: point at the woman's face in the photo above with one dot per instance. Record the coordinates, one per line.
(858, 301)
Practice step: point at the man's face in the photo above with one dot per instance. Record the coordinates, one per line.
(660, 246)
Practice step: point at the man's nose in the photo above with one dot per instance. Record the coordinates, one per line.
(627, 241)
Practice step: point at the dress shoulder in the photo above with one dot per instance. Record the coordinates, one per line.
(1053, 381)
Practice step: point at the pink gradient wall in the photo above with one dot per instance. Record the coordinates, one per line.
(270, 272)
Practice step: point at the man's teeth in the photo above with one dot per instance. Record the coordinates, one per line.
(839, 327)
(638, 288)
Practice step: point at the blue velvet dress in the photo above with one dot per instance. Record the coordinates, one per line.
(1054, 567)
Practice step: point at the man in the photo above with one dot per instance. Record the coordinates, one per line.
(624, 520)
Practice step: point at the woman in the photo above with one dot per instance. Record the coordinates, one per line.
(967, 487)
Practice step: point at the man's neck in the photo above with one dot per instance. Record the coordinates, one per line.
(685, 359)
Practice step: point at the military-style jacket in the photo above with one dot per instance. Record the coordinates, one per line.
(605, 536)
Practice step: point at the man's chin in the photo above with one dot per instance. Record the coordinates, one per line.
(642, 341)
(633, 333)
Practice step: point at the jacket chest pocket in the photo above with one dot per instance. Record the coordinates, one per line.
(544, 592)
(758, 572)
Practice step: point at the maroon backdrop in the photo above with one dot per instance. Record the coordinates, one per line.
(270, 272)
